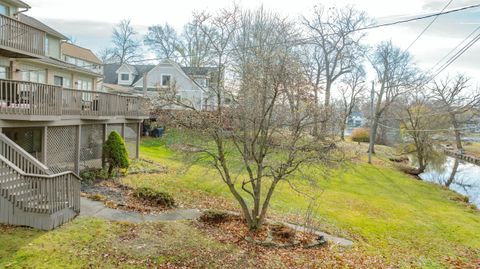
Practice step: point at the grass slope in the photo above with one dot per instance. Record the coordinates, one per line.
(409, 222)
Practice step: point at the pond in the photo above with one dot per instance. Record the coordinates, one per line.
(458, 175)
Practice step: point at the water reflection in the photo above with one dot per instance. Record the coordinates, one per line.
(459, 176)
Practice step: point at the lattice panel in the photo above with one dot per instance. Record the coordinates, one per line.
(91, 146)
(131, 133)
(61, 148)
(114, 127)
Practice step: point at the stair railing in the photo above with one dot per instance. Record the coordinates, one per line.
(21, 158)
(36, 193)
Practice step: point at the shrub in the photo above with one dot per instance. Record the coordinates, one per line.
(115, 153)
(154, 197)
(214, 216)
(361, 135)
(90, 175)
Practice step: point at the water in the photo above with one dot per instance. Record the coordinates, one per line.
(463, 177)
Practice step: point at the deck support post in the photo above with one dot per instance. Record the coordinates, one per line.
(137, 146)
(78, 146)
(44, 144)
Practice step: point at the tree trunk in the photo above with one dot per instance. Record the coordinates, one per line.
(343, 126)
(326, 110)
(373, 134)
(458, 134)
(451, 179)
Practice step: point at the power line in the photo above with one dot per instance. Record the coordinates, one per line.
(456, 56)
(428, 26)
(301, 41)
(456, 47)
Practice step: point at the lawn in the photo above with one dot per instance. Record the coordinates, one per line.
(389, 214)
(393, 218)
(472, 148)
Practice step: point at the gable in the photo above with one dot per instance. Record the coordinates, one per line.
(154, 78)
(126, 69)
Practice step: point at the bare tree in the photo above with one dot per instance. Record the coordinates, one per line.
(396, 75)
(126, 47)
(261, 130)
(334, 32)
(196, 46)
(313, 66)
(107, 56)
(454, 96)
(163, 40)
(351, 94)
(418, 129)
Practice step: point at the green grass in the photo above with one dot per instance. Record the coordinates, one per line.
(94, 243)
(386, 212)
(472, 148)
(389, 215)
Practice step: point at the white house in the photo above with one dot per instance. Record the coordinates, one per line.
(192, 84)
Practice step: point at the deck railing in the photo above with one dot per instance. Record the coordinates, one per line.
(44, 194)
(21, 36)
(36, 99)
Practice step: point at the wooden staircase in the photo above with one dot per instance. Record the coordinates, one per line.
(30, 194)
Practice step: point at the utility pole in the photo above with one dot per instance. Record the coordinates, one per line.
(372, 100)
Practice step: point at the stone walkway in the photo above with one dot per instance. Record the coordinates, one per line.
(91, 208)
(98, 209)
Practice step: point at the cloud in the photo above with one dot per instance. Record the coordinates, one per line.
(90, 34)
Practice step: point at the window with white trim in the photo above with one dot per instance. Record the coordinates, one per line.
(166, 79)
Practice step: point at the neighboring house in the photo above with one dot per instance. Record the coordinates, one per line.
(355, 120)
(81, 57)
(192, 85)
(53, 122)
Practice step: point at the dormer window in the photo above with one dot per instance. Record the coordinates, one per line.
(166, 80)
(125, 77)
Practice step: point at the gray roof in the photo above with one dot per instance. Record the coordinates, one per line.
(40, 25)
(111, 77)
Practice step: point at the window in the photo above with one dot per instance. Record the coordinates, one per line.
(202, 82)
(166, 80)
(125, 77)
(4, 10)
(58, 81)
(47, 46)
(4, 72)
(34, 75)
(84, 84)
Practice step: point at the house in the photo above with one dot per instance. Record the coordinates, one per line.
(192, 84)
(81, 57)
(53, 121)
(355, 120)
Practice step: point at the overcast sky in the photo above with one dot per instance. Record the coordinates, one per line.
(89, 22)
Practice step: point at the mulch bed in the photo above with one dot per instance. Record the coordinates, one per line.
(118, 196)
(234, 231)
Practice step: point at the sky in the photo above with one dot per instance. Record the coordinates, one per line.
(89, 23)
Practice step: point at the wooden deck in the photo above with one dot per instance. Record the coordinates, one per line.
(20, 40)
(20, 100)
